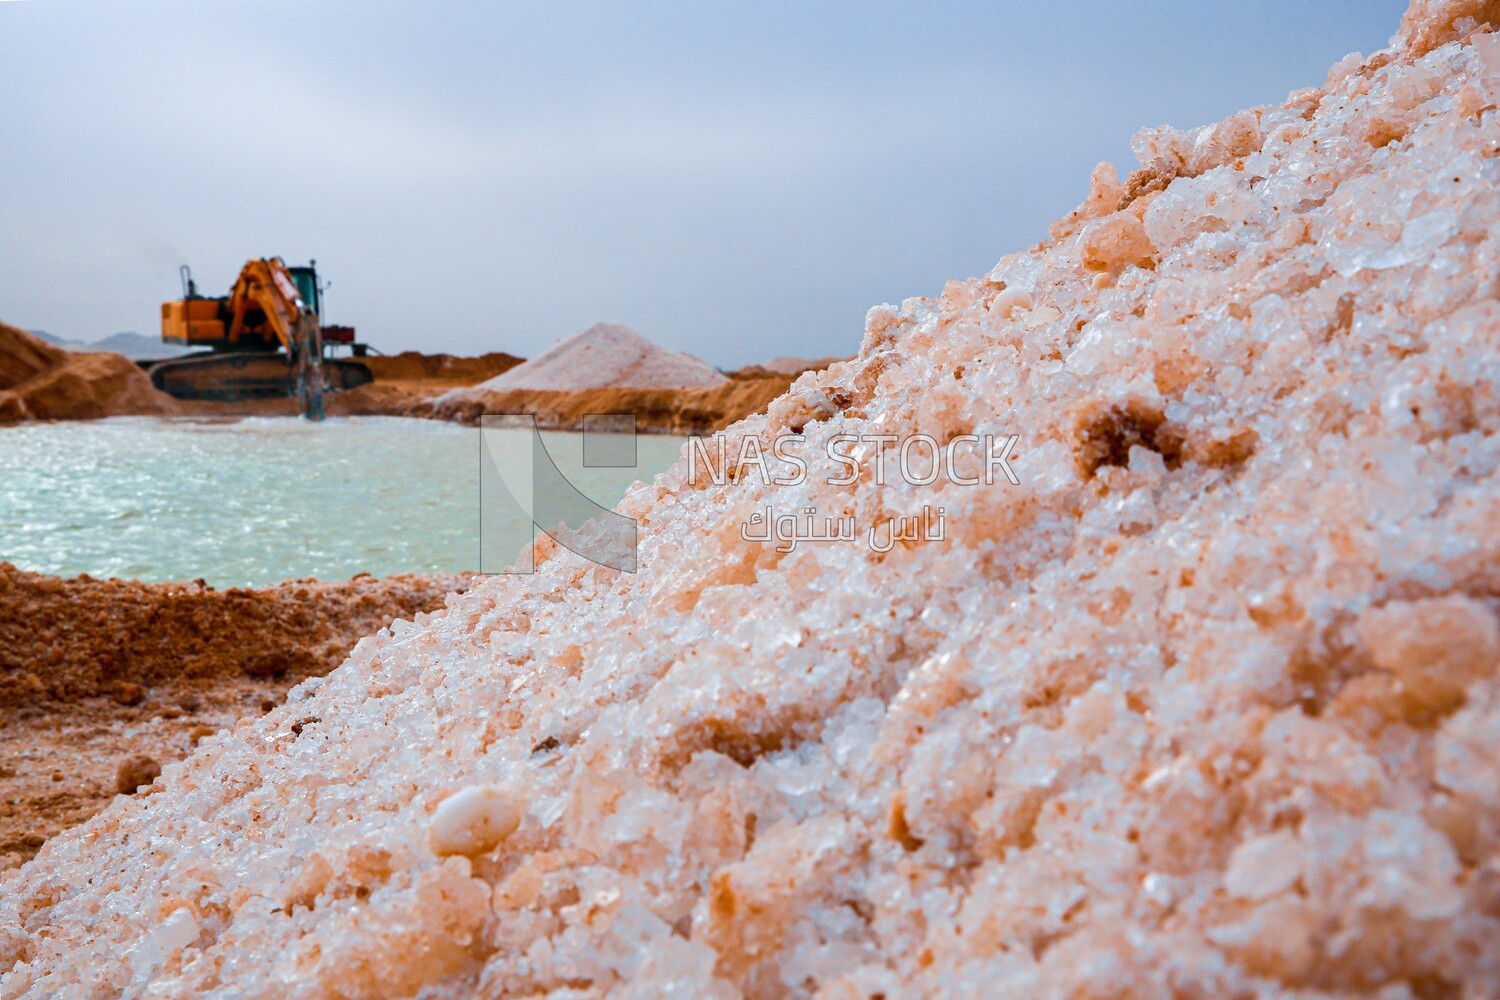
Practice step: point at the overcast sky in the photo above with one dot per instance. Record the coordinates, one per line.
(737, 180)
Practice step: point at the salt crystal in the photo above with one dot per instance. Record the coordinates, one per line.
(473, 821)
(1264, 866)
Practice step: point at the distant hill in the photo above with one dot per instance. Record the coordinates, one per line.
(135, 346)
(55, 340)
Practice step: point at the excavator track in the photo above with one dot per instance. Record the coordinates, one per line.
(228, 377)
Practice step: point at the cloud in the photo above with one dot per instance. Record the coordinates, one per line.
(735, 180)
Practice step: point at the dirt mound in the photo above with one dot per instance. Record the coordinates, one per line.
(657, 411)
(606, 356)
(412, 366)
(1203, 704)
(24, 356)
(92, 671)
(77, 638)
(42, 382)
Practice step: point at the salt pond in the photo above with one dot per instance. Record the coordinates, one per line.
(252, 502)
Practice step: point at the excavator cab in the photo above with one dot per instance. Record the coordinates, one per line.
(265, 340)
(306, 280)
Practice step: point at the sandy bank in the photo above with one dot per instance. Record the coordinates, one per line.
(412, 392)
(443, 369)
(404, 384)
(93, 670)
(657, 411)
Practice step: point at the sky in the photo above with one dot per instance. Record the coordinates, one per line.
(735, 180)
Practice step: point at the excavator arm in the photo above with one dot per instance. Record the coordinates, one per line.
(267, 285)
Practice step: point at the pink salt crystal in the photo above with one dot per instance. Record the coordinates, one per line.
(1264, 866)
(1443, 643)
(1113, 243)
(1208, 699)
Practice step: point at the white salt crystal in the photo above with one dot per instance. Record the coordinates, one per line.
(473, 821)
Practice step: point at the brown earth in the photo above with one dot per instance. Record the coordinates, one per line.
(41, 382)
(93, 672)
(657, 411)
(403, 383)
(412, 366)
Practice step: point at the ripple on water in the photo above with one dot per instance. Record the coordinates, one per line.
(250, 502)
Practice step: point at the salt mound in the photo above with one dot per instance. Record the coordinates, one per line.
(1206, 706)
(39, 381)
(606, 355)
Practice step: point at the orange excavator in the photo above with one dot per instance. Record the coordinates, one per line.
(264, 340)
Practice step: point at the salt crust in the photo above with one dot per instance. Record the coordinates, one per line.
(1206, 707)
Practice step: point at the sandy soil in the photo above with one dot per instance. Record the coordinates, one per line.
(444, 369)
(403, 383)
(657, 411)
(93, 672)
(42, 382)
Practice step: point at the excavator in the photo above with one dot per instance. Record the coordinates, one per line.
(264, 340)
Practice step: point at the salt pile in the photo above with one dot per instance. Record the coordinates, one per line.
(1206, 706)
(606, 355)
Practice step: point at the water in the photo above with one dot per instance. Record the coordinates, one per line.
(252, 502)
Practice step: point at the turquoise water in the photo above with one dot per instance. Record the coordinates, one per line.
(252, 502)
